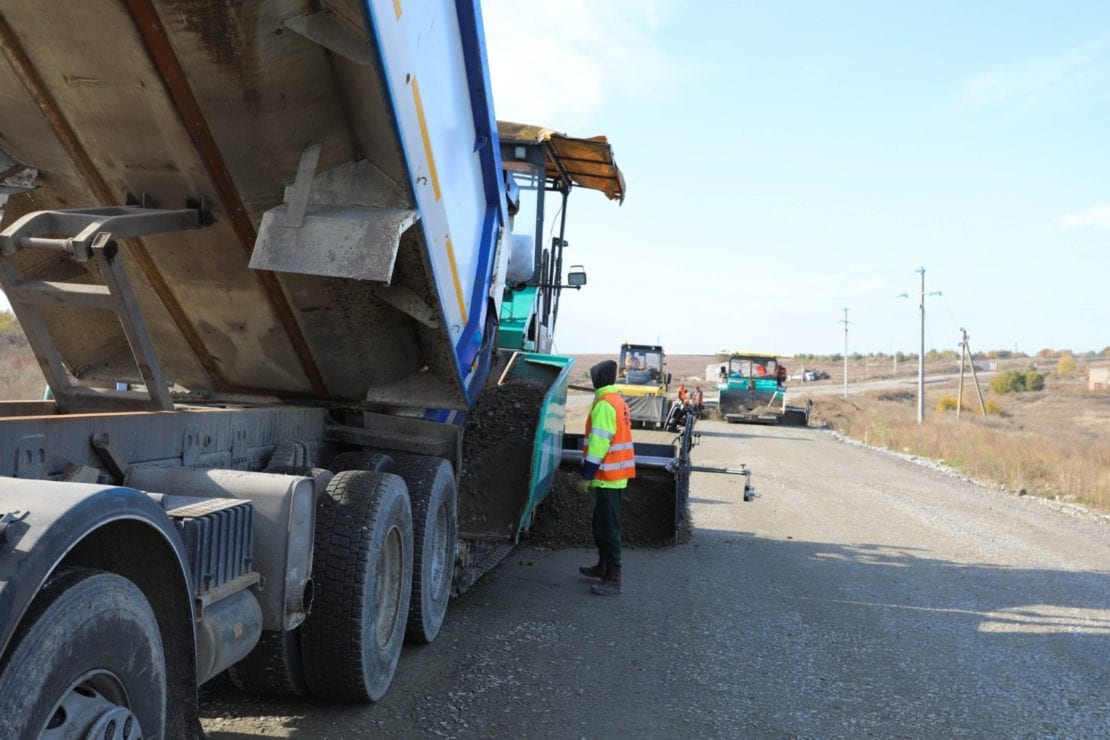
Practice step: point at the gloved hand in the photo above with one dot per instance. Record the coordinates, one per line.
(583, 485)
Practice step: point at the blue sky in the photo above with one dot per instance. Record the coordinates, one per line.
(787, 160)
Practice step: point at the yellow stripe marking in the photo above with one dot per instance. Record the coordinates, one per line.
(435, 189)
(427, 141)
(397, 8)
(455, 276)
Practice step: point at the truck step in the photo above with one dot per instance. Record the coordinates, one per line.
(218, 536)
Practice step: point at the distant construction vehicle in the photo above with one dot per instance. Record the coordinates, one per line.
(753, 390)
(643, 382)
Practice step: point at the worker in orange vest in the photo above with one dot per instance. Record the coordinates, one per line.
(608, 463)
(683, 397)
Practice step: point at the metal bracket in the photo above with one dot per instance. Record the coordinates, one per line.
(30, 457)
(325, 29)
(190, 446)
(409, 303)
(8, 521)
(240, 458)
(346, 222)
(45, 229)
(297, 200)
(77, 473)
(110, 456)
(14, 177)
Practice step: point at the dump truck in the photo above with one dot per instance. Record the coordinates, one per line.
(752, 388)
(261, 252)
(643, 382)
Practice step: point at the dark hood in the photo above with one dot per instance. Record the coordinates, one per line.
(603, 373)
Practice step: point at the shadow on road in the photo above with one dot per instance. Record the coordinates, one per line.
(833, 630)
(1018, 603)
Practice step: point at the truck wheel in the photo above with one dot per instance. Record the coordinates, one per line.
(351, 641)
(435, 520)
(86, 661)
(361, 460)
(273, 668)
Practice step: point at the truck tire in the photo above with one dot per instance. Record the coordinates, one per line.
(86, 661)
(273, 668)
(435, 521)
(361, 460)
(362, 569)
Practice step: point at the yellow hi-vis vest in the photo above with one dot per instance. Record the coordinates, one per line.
(611, 449)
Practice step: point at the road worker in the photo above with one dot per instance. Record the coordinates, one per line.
(608, 462)
(683, 396)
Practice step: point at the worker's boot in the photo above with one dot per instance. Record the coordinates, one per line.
(593, 571)
(610, 583)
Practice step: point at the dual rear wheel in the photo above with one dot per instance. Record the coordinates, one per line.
(386, 538)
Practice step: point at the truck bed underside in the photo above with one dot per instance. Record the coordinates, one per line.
(203, 99)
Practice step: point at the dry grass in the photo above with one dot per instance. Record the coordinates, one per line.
(20, 377)
(1053, 443)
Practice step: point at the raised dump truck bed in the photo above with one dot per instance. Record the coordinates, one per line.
(342, 159)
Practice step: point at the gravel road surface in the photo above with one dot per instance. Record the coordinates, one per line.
(862, 594)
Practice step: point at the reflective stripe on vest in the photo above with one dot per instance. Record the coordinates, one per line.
(620, 460)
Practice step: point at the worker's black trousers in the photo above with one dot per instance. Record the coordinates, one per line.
(607, 525)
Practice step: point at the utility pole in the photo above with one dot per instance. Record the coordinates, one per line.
(975, 376)
(921, 357)
(960, 388)
(845, 322)
(921, 353)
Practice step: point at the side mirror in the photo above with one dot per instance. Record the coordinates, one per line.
(576, 276)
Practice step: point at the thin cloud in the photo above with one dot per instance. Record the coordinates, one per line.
(1027, 79)
(1095, 217)
(556, 62)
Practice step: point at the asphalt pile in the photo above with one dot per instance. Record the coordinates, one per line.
(497, 458)
(565, 518)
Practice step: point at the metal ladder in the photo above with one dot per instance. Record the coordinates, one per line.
(89, 234)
